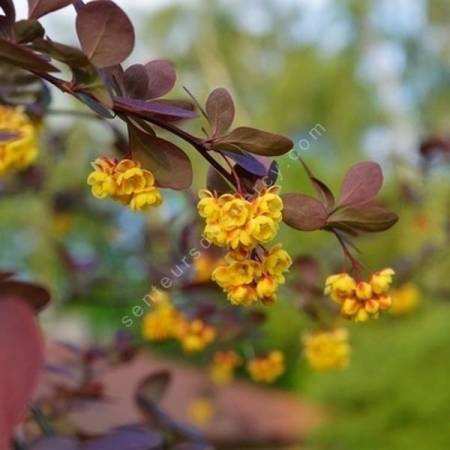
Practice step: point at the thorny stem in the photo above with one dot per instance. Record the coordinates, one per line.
(192, 140)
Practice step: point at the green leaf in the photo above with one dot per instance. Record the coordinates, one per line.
(28, 30)
(257, 141)
(303, 212)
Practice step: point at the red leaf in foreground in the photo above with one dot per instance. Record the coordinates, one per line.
(21, 357)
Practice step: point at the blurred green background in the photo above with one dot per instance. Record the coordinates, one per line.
(347, 80)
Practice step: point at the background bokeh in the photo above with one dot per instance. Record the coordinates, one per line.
(347, 80)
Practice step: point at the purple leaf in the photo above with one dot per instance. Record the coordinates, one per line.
(321, 188)
(256, 141)
(127, 439)
(248, 162)
(39, 8)
(161, 78)
(105, 32)
(220, 111)
(7, 20)
(135, 80)
(154, 108)
(169, 164)
(369, 218)
(361, 184)
(215, 182)
(303, 213)
(23, 57)
(6, 136)
(56, 443)
(154, 386)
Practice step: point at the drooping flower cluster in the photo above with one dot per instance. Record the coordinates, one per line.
(327, 350)
(19, 139)
(124, 181)
(223, 366)
(247, 280)
(165, 322)
(267, 369)
(361, 300)
(235, 222)
(249, 272)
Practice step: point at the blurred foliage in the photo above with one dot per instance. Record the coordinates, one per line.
(377, 84)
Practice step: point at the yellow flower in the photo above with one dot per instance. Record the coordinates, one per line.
(234, 214)
(163, 322)
(130, 178)
(263, 228)
(145, 199)
(363, 290)
(360, 300)
(201, 411)
(19, 150)
(126, 182)
(277, 262)
(195, 336)
(327, 350)
(208, 206)
(246, 280)
(267, 287)
(381, 281)
(223, 366)
(405, 299)
(242, 295)
(339, 286)
(102, 184)
(266, 369)
(270, 204)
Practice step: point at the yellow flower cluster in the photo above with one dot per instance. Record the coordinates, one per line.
(247, 280)
(195, 336)
(266, 369)
(247, 273)
(19, 148)
(327, 350)
(232, 221)
(405, 299)
(165, 322)
(124, 181)
(361, 300)
(223, 366)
